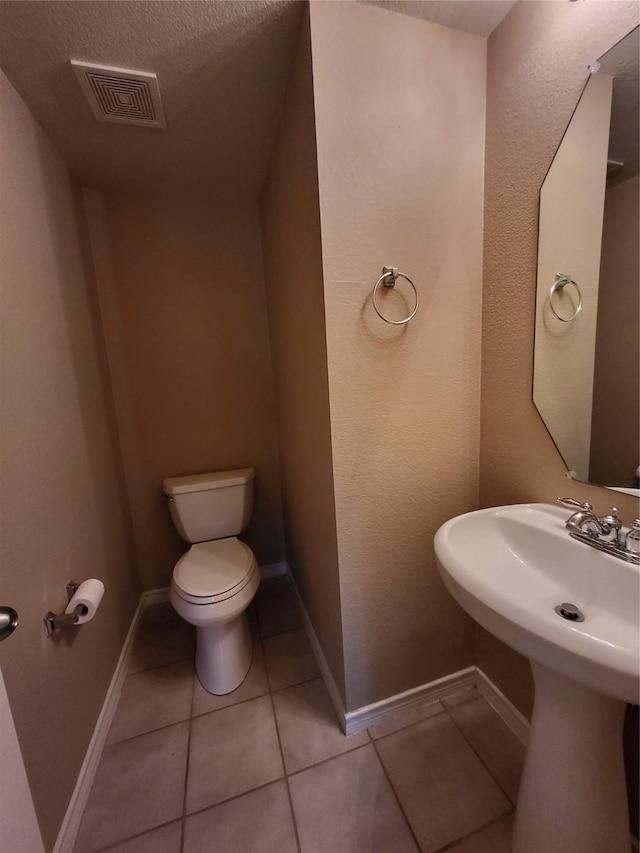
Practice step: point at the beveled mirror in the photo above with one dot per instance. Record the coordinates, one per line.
(586, 382)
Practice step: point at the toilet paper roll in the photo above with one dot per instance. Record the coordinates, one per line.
(89, 594)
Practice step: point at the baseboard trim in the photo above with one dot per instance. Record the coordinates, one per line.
(71, 823)
(503, 707)
(440, 688)
(325, 671)
(154, 596)
(272, 570)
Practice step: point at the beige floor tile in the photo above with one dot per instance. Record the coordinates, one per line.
(493, 839)
(467, 694)
(346, 805)
(232, 751)
(289, 659)
(445, 790)
(138, 786)
(258, 822)
(166, 839)
(152, 699)
(157, 645)
(496, 745)
(254, 685)
(278, 613)
(404, 717)
(309, 729)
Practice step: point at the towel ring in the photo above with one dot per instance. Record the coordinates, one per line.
(392, 274)
(561, 281)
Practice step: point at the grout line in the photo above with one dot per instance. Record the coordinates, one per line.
(232, 798)
(159, 665)
(327, 760)
(297, 684)
(279, 633)
(396, 796)
(408, 725)
(479, 757)
(137, 835)
(150, 732)
(284, 766)
(195, 716)
(186, 769)
(453, 844)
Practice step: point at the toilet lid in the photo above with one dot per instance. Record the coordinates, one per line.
(213, 568)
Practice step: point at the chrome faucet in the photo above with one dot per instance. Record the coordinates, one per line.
(604, 533)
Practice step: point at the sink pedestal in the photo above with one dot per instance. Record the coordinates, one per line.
(572, 796)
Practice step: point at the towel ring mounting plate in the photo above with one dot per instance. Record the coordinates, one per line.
(389, 277)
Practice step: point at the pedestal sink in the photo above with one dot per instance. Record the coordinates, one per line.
(510, 567)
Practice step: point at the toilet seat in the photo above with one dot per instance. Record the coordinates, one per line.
(213, 571)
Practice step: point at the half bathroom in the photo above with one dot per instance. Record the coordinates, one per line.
(212, 297)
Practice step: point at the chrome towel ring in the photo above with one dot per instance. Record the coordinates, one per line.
(561, 282)
(389, 277)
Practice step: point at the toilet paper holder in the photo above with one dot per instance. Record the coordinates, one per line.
(54, 621)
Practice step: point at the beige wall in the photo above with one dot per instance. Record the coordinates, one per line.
(293, 271)
(615, 433)
(570, 236)
(400, 109)
(536, 69)
(182, 295)
(64, 510)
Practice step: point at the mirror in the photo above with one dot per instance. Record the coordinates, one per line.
(586, 378)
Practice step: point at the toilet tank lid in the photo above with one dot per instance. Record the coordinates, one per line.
(201, 482)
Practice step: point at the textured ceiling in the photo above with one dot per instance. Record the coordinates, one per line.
(473, 16)
(222, 66)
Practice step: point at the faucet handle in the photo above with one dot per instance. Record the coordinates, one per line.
(632, 540)
(612, 519)
(570, 502)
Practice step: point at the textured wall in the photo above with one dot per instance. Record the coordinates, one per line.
(400, 128)
(571, 214)
(64, 510)
(616, 390)
(537, 63)
(295, 298)
(182, 294)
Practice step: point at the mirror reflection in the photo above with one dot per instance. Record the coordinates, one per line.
(586, 382)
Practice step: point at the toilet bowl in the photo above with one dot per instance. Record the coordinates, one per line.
(215, 581)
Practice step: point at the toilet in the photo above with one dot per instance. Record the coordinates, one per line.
(217, 578)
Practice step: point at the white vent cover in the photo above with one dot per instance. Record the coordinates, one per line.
(121, 95)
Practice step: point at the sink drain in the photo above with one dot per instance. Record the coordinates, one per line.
(570, 612)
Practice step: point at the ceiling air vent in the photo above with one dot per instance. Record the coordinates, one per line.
(121, 95)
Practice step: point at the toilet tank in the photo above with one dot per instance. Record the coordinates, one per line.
(210, 506)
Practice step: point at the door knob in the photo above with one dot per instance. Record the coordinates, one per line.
(8, 622)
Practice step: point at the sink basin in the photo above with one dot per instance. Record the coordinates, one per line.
(510, 567)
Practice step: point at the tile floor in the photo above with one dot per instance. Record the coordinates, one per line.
(266, 769)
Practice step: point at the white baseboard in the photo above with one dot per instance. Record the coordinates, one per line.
(440, 688)
(443, 688)
(272, 570)
(154, 596)
(503, 707)
(69, 830)
(325, 671)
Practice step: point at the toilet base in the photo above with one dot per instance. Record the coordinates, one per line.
(223, 654)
